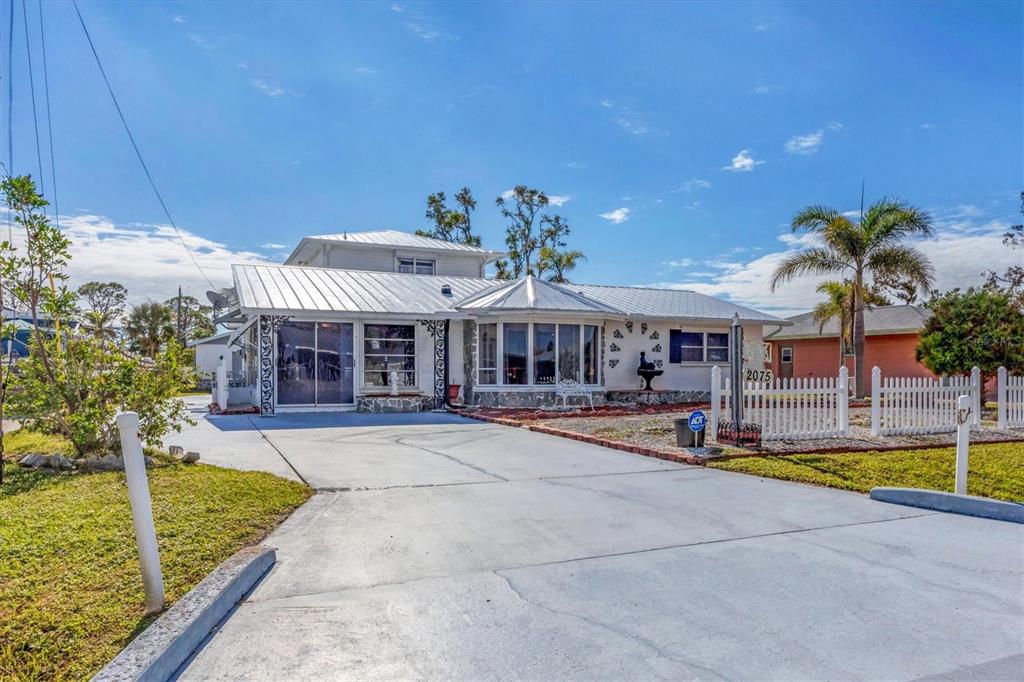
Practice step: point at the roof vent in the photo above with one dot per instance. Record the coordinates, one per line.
(446, 290)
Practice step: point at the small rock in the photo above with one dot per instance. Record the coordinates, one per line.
(176, 450)
(37, 460)
(190, 457)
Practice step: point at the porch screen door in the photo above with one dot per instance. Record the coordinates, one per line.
(335, 368)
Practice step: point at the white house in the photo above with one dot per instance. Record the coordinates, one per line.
(386, 321)
(211, 350)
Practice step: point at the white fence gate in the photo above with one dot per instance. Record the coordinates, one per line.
(914, 405)
(804, 408)
(1010, 400)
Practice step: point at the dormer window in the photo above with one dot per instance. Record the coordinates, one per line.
(417, 266)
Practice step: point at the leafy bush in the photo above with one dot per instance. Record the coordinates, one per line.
(77, 391)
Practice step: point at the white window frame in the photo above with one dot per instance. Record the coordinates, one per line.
(416, 263)
(500, 359)
(782, 355)
(497, 356)
(365, 387)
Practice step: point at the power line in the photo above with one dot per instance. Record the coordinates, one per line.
(49, 120)
(138, 153)
(32, 91)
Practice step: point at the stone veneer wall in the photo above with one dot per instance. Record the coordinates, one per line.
(530, 399)
(658, 397)
(381, 404)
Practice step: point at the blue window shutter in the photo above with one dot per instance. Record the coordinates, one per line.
(675, 341)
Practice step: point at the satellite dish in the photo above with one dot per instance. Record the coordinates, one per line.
(218, 299)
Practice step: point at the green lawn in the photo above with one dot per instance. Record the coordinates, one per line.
(70, 588)
(995, 470)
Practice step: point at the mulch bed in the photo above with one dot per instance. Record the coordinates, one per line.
(650, 431)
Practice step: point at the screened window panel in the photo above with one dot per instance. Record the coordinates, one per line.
(296, 363)
(389, 348)
(591, 353)
(487, 353)
(569, 351)
(334, 363)
(543, 353)
(515, 349)
(718, 347)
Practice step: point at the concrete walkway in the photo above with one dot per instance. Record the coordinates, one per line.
(443, 548)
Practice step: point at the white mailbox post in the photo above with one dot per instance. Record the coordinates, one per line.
(963, 437)
(142, 510)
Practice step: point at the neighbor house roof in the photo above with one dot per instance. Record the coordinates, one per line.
(282, 289)
(396, 239)
(890, 319)
(530, 294)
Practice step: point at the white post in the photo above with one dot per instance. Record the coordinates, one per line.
(976, 392)
(1001, 395)
(716, 399)
(963, 437)
(876, 401)
(142, 510)
(221, 390)
(844, 400)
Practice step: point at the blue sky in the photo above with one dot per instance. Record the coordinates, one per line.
(683, 136)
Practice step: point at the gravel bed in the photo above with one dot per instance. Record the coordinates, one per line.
(658, 431)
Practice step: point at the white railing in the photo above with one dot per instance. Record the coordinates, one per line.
(915, 405)
(804, 408)
(1009, 400)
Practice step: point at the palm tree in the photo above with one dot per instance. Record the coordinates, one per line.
(559, 262)
(836, 306)
(99, 323)
(868, 248)
(149, 326)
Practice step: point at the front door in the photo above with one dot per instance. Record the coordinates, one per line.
(786, 362)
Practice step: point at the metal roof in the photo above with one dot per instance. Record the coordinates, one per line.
(395, 238)
(670, 303)
(532, 294)
(300, 289)
(285, 289)
(890, 319)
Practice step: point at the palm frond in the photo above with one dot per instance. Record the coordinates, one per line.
(816, 219)
(814, 261)
(902, 262)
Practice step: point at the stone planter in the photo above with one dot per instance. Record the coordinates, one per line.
(388, 404)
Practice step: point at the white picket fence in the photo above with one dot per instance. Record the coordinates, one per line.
(1010, 400)
(804, 408)
(916, 405)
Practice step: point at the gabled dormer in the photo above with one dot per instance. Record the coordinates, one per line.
(392, 251)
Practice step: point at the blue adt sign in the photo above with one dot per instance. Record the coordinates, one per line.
(697, 421)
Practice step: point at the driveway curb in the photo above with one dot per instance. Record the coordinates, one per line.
(167, 643)
(968, 505)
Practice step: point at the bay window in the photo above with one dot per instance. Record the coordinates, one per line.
(537, 353)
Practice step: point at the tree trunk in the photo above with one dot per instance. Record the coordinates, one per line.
(858, 338)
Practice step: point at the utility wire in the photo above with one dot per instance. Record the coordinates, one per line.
(49, 119)
(138, 153)
(10, 92)
(32, 91)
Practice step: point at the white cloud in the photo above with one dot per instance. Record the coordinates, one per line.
(272, 88)
(765, 89)
(959, 253)
(763, 27)
(834, 125)
(273, 245)
(928, 126)
(679, 263)
(629, 120)
(178, 19)
(692, 184)
(365, 69)
(558, 199)
(508, 194)
(617, 216)
(805, 144)
(742, 162)
(148, 259)
(575, 166)
(607, 103)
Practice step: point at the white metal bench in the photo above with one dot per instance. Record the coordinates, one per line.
(570, 387)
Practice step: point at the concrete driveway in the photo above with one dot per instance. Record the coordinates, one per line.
(444, 548)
